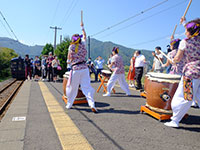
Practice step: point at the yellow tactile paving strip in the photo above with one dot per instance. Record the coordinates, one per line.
(69, 135)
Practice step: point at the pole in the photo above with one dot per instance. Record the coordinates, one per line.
(55, 28)
(88, 46)
(60, 39)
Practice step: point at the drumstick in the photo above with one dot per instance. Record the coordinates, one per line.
(187, 8)
(166, 55)
(174, 30)
(158, 59)
(81, 16)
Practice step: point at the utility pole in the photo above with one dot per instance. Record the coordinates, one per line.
(88, 46)
(60, 39)
(55, 28)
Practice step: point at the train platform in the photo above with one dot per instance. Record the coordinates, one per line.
(38, 120)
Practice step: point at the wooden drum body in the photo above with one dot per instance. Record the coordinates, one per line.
(80, 98)
(160, 89)
(106, 73)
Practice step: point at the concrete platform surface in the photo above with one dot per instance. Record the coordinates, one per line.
(118, 125)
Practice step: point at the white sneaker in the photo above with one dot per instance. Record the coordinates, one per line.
(128, 94)
(107, 94)
(171, 124)
(132, 86)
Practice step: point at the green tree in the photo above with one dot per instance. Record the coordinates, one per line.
(47, 48)
(6, 55)
(62, 52)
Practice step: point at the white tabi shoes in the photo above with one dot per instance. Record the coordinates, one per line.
(171, 124)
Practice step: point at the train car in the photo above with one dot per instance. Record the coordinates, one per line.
(18, 68)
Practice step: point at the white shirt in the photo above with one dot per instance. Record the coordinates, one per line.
(157, 62)
(139, 61)
(99, 63)
(182, 45)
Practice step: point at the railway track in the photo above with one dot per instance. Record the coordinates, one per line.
(7, 92)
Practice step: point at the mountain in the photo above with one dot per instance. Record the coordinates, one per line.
(103, 49)
(97, 48)
(20, 48)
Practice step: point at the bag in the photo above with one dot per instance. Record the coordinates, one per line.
(59, 68)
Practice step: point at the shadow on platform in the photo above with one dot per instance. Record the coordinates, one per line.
(97, 104)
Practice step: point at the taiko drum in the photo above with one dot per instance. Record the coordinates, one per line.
(80, 98)
(160, 89)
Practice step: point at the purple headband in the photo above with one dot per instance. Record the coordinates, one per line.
(174, 41)
(191, 24)
(114, 49)
(75, 38)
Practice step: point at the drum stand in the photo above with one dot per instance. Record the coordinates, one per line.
(159, 116)
(76, 101)
(104, 80)
(143, 94)
(154, 114)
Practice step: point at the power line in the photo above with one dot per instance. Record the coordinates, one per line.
(154, 40)
(6, 29)
(8, 26)
(55, 11)
(145, 18)
(125, 20)
(71, 11)
(68, 12)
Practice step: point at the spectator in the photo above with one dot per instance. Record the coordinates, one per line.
(91, 68)
(131, 73)
(69, 66)
(49, 67)
(55, 64)
(99, 65)
(44, 67)
(139, 67)
(27, 67)
(37, 64)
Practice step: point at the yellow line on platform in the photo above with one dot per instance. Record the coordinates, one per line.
(69, 135)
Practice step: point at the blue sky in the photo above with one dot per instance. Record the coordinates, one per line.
(31, 19)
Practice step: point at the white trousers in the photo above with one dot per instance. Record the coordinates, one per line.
(82, 78)
(179, 105)
(122, 82)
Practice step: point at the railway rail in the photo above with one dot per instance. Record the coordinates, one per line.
(7, 92)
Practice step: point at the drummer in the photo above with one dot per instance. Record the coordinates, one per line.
(158, 59)
(79, 75)
(189, 86)
(178, 67)
(118, 73)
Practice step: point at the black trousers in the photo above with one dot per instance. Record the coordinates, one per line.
(98, 72)
(50, 73)
(138, 76)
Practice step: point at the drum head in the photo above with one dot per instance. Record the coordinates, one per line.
(163, 77)
(106, 72)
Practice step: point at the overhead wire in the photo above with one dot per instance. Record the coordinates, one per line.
(68, 12)
(6, 28)
(58, 3)
(9, 26)
(141, 20)
(125, 20)
(157, 39)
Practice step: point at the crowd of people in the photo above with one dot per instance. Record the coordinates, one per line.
(183, 59)
(45, 69)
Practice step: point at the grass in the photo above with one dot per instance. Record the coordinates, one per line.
(4, 78)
